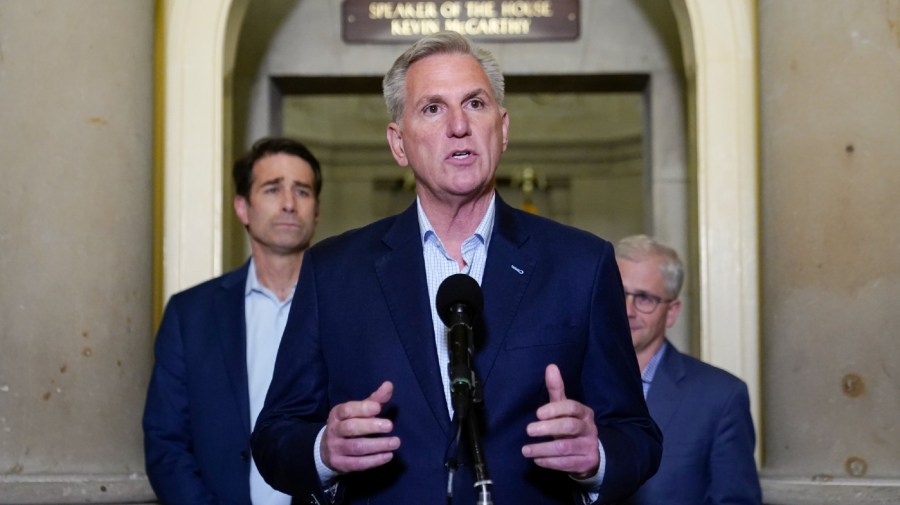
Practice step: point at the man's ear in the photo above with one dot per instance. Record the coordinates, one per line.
(240, 208)
(505, 129)
(395, 140)
(672, 312)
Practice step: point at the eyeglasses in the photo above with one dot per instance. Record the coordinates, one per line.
(645, 302)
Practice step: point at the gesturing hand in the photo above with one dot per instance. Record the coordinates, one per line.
(571, 425)
(347, 445)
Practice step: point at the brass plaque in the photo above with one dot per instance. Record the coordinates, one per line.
(365, 21)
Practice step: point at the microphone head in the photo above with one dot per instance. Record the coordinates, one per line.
(459, 289)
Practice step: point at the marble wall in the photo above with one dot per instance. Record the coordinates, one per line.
(830, 244)
(76, 146)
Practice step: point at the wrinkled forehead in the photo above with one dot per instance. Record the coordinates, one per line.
(446, 73)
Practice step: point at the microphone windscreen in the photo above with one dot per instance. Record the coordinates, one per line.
(458, 288)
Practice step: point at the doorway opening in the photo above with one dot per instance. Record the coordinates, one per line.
(577, 152)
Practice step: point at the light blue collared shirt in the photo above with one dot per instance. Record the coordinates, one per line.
(266, 317)
(650, 371)
(439, 265)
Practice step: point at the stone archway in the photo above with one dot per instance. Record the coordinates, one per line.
(720, 58)
(191, 120)
(719, 43)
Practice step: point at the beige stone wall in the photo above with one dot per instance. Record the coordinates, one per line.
(76, 118)
(830, 180)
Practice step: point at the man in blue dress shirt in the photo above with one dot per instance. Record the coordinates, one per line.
(216, 346)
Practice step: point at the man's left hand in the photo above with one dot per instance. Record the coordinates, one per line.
(571, 424)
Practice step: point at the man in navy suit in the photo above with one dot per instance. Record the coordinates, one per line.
(216, 346)
(358, 409)
(703, 411)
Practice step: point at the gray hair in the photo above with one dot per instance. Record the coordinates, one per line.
(394, 84)
(642, 248)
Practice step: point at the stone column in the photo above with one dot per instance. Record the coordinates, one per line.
(76, 154)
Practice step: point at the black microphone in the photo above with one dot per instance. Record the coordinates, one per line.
(459, 302)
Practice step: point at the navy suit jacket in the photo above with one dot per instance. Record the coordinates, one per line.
(197, 415)
(552, 295)
(704, 414)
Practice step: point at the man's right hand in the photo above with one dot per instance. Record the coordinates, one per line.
(348, 444)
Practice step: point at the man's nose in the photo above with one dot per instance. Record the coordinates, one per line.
(289, 202)
(459, 123)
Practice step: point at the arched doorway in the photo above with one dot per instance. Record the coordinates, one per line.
(719, 53)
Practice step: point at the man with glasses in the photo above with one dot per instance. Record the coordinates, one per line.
(703, 411)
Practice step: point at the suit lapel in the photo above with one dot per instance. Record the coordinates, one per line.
(665, 392)
(231, 329)
(401, 273)
(506, 274)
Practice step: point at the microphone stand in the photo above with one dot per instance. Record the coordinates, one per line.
(459, 300)
(465, 392)
(483, 482)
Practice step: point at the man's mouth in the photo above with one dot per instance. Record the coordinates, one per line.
(460, 155)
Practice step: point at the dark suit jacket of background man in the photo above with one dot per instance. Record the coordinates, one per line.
(704, 414)
(197, 440)
(552, 294)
